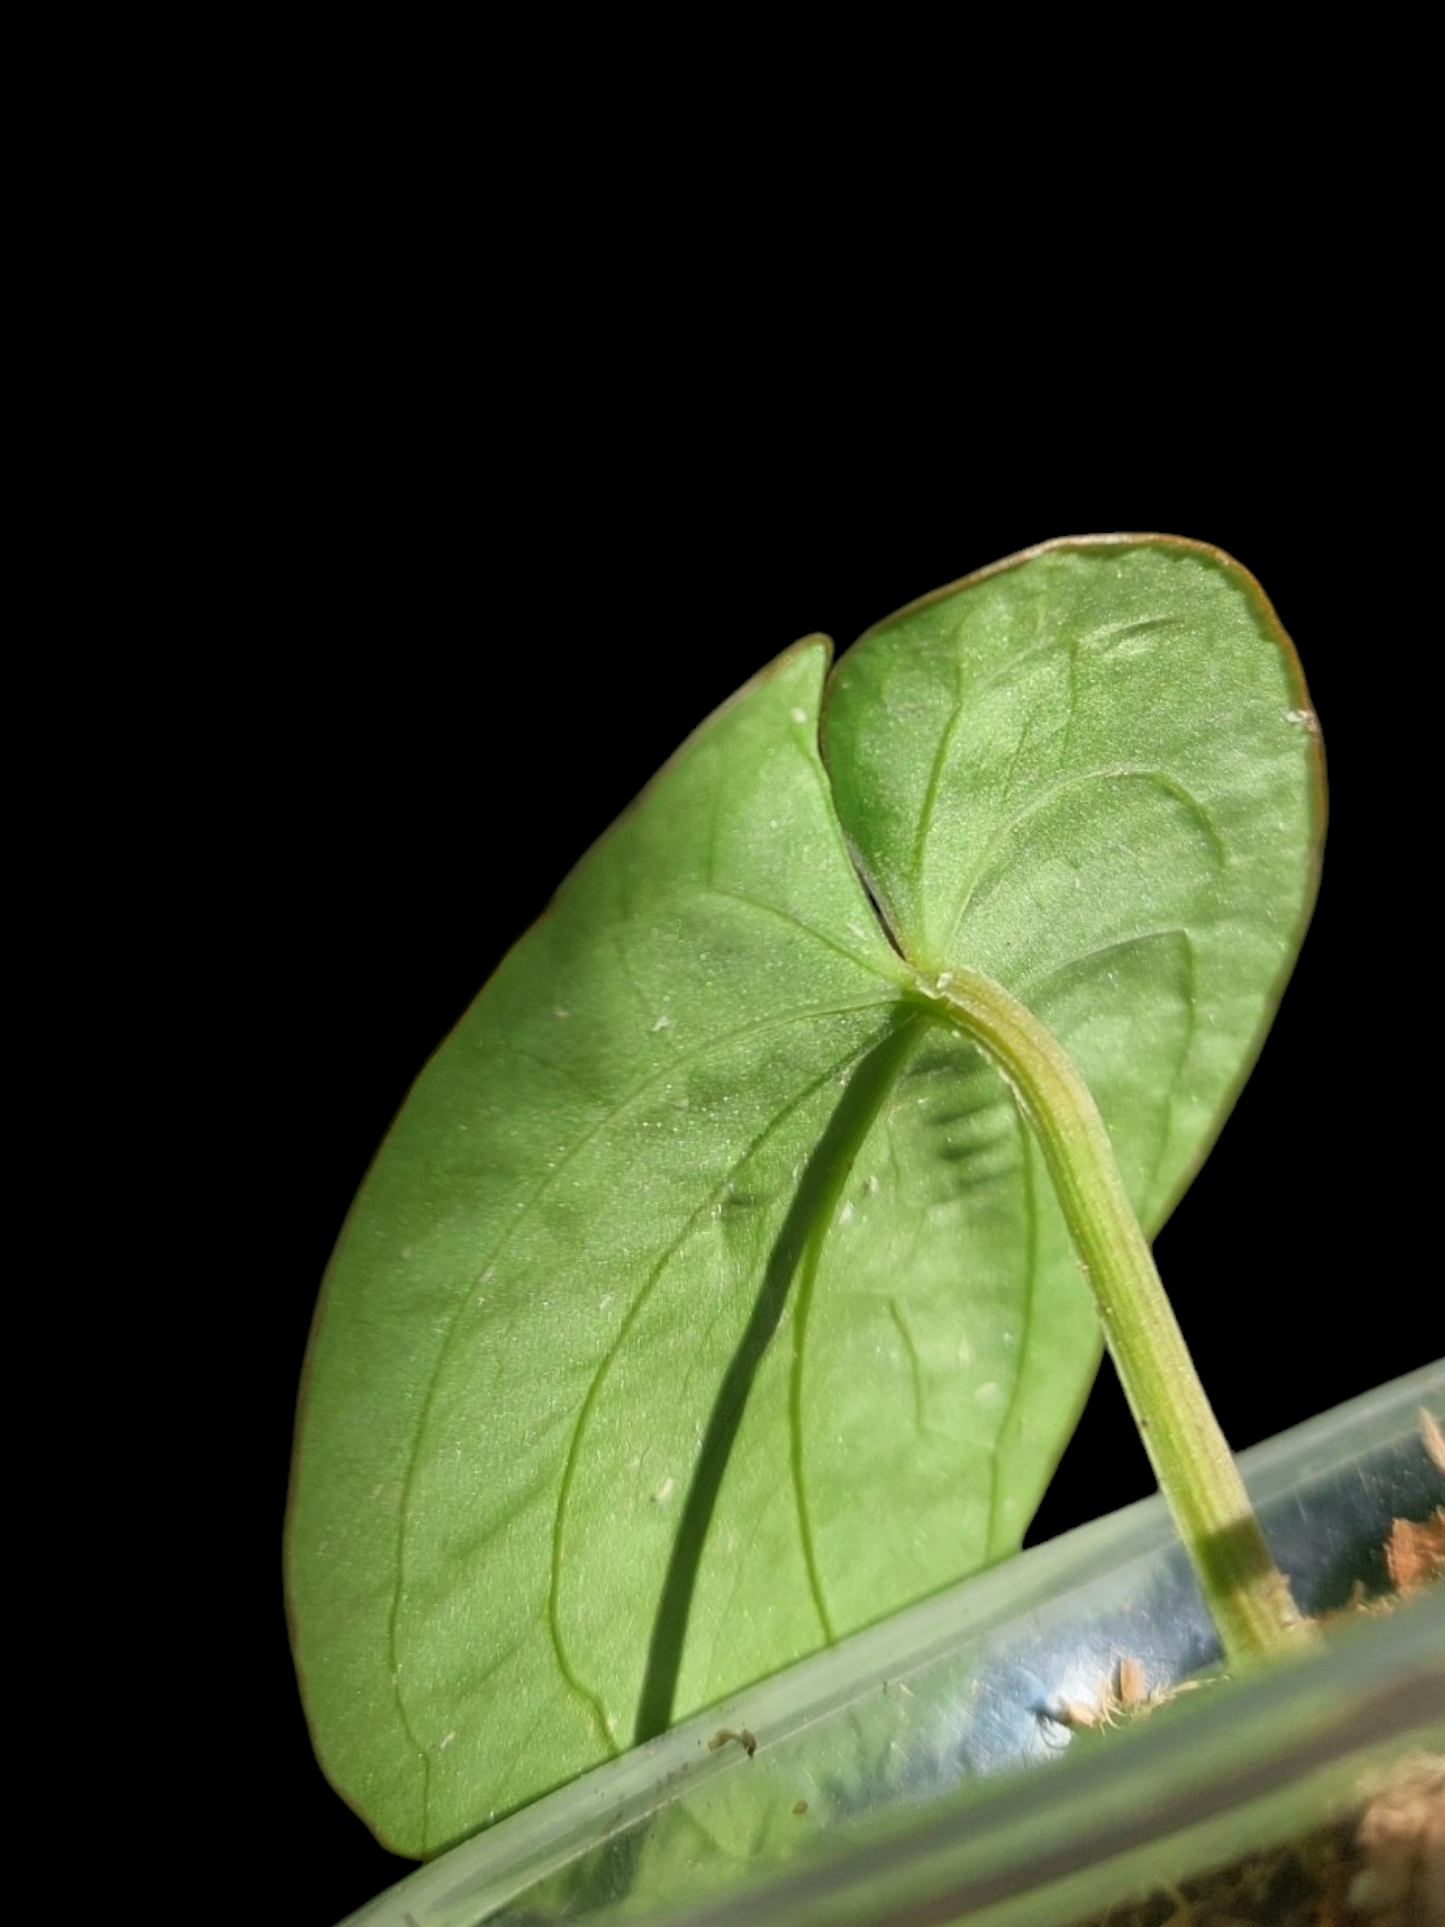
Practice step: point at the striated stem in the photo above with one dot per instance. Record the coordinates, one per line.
(1248, 1597)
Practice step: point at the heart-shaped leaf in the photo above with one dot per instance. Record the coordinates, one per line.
(708, 1299)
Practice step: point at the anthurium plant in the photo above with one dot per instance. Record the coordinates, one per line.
(736, 1271)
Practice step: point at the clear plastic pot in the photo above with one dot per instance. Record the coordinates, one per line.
(895, 1778)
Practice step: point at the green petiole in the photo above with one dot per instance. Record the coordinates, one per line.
(1247, 1596)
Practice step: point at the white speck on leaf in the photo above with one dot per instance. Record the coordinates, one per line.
(664, 1492)
(664, 1022)
(798, 715)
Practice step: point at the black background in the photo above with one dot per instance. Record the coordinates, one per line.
(513, 606)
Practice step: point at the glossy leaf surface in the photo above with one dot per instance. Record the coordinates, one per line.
(708, 1300)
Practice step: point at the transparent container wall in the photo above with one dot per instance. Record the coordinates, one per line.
(882, 1781)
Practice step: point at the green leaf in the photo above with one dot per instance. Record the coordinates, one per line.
(708, 1299)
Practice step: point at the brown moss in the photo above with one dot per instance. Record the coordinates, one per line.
(1382, 1865)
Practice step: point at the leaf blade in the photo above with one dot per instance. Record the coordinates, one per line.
(457, 1320)
(595, 1433)
(1109, 748)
